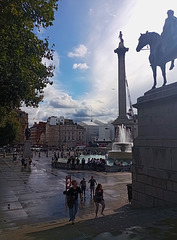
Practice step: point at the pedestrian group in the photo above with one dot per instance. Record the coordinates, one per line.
(75, 191)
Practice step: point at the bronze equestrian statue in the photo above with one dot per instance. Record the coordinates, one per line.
(163, 48)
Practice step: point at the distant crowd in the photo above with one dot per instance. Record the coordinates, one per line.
(93, 163)
(74, 161)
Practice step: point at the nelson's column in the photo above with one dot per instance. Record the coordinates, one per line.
(122, 118)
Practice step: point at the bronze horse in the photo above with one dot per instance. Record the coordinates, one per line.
(159, 55)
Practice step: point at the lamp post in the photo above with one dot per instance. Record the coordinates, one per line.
(47, 153)
(59, 137)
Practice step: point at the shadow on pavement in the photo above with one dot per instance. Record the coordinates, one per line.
(136, 224)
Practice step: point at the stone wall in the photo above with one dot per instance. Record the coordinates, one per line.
(154, 170)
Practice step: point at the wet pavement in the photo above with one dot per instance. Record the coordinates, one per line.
(33, 206)
(35, 194)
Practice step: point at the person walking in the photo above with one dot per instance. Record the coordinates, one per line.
(83, 163)
(99, 199)
(92, 182)
(83, 186)
(23, 162)
(72, 200)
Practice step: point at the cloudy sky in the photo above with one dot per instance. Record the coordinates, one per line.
(85, 34)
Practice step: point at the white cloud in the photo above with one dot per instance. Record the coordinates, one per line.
(79, 51)
(56, 103)
(82, 66)
(63, 101)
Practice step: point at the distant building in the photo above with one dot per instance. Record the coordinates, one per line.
(59, 132)
(72, 134)
(92, 130)
(53, 120)
(106, 131)
(52, 135)
(62, 132)
(38, 131)
(98, 131)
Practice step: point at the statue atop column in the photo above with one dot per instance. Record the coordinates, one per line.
(121, 44)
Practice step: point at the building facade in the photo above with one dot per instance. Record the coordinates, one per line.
(98, 131)
(37, 135)
(64, 133)
(72, 134)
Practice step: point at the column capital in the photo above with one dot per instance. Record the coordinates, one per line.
(121, 51)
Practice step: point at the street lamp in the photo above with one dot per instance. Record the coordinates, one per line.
(47, 153)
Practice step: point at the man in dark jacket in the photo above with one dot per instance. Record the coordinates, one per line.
(72, 200)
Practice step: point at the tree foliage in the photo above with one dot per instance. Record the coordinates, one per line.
(10, 130)
(23, 76)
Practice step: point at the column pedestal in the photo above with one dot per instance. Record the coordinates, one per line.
(27, 149)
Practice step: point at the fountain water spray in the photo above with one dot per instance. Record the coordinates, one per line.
(123, 143)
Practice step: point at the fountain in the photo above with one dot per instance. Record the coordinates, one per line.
(122, 147)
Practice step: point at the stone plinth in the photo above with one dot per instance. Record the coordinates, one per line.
(154, 170)
(27, 149)
(120, 155)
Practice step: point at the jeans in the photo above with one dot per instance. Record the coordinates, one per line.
(92, 191)
(97, 206)
(73, 211)
(83, 190)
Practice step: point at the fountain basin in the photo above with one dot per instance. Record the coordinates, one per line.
(121, 151)
(122, 146)
(120, 155)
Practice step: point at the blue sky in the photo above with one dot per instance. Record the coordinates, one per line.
(85, 34)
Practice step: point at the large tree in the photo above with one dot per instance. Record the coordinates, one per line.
(23, 76)
(10, 130)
